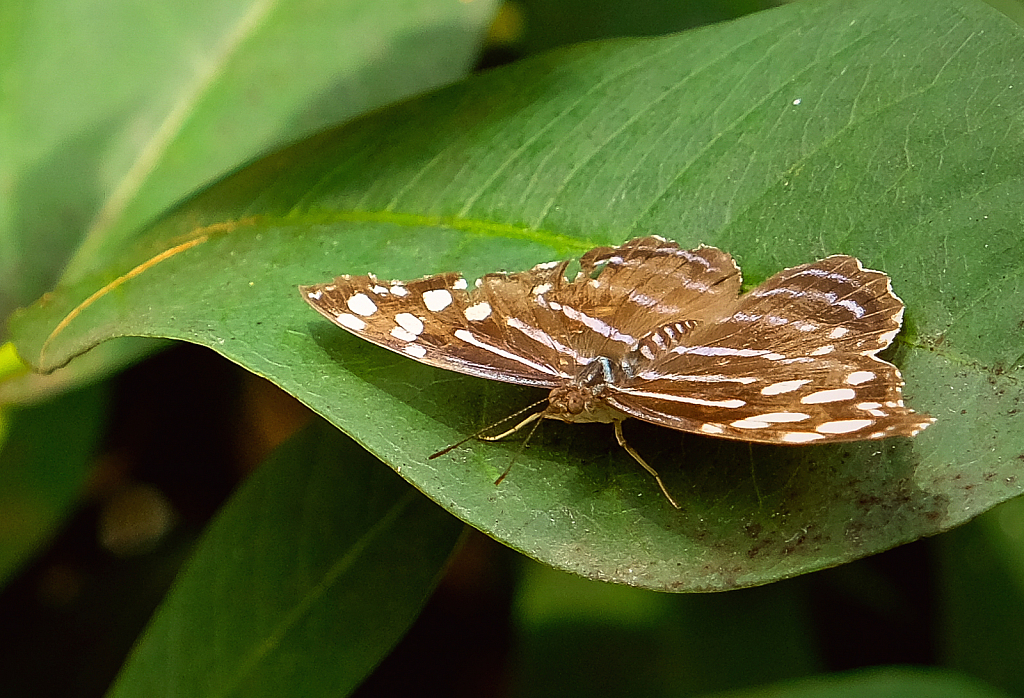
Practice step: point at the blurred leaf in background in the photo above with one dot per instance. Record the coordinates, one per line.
(109, 112)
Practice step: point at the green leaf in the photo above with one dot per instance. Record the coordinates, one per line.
(982, 593)
(549, 24)
(302, 584)
(885, 681)
(45, 454)
(890, 131)
(110, 114)
(166, 97)
(653, 644)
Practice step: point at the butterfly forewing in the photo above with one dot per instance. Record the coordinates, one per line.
(490, 331)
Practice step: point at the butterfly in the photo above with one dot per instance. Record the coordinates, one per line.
(660, 333)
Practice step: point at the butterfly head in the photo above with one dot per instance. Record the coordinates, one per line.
(581, 400)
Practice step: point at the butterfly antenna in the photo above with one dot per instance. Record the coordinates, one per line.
(480, 434)
(536, 417)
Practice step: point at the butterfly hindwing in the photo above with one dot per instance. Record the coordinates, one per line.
(793, 361)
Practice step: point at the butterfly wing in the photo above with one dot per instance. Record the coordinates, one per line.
(793, 361)
(438, 321)
(621, 293)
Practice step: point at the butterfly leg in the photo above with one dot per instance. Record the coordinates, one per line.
(636, 456)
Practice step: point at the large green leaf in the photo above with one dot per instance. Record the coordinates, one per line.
(891, 131)
(303, 583)
(111, 111)
(99, 135)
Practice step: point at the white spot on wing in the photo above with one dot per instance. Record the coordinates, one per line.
(460, 284)
(832, 395)
(885, 339)
(315, 295)
(360, 304)
(844, 426)
(415, 350)
(853, 307)
(642, 300)
(541, 289)
(744, 317)
(729, 404)
(923, 425)
(749, 424)
(399, 290)
(402, 335)
(760, 421)
(410, 323)
(858, 377)
(467, 336)
(709, 428)
(350, 321)
(784, 387)
(838, 332)
(478, 312)
(798, 437)
(822, 351)
(781, 417)
(437, 299)
(599, 326)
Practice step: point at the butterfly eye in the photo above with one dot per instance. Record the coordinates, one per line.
(576, 404)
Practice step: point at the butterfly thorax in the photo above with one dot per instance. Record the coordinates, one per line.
(581, 400)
